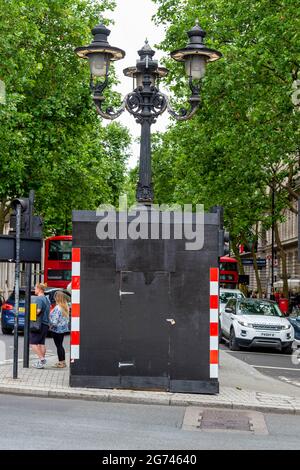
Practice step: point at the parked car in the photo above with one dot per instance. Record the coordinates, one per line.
(226, 294)
(7, 312)
(256, 322)
(7, 309)
(294, 319)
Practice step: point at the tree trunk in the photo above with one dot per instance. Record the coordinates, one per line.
(235, 249)
(282, 255)
(258, 282)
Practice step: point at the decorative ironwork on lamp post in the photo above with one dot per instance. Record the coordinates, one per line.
(146, 102)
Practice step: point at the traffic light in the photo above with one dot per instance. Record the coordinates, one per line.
(24, 203)
(224, 237)
(36, 229)
(25, 218)
(224, 243)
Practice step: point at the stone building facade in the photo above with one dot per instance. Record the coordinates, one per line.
(288, 231)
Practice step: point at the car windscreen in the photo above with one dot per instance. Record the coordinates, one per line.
(259, 308)
(51, 295)
(225, 296)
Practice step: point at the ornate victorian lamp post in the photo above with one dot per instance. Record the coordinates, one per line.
(146, 102)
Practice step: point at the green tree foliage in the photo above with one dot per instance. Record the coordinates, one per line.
(245, 137)
(129, 188)
(51, 139)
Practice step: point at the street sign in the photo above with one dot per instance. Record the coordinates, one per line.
(33, 312)
(247, 261)
(30, 249)
(261, 262)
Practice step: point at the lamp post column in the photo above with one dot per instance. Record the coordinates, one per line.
(144, 192)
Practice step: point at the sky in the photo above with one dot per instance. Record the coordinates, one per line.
(132, 26)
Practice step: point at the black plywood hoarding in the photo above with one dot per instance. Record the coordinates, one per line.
(144, 321)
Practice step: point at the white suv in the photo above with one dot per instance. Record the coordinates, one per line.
(255, 322)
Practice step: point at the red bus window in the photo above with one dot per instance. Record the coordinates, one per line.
(226, 277)
(228, 266)
(60, 250)
(59, 275)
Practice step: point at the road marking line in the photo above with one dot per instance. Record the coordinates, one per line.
(271, 367)
(243, 353)
(285, 379)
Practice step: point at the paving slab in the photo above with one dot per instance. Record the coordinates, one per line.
(235, 391)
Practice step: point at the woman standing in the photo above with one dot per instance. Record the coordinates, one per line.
(59, 325)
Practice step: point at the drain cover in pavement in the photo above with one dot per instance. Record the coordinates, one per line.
(210, 419)
(219, 419)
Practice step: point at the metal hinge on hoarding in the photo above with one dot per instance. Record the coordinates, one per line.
(171, 320)
(126, 364)
(125, 293)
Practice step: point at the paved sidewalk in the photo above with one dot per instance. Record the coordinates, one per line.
(54, 383)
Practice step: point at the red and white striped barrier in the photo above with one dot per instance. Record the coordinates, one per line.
(214, 323)
(75, 322)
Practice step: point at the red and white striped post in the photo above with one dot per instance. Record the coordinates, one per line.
(75, 323)
(214, 323)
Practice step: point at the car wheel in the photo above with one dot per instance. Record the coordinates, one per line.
(233, 345)
(288, 349)
(6, 331)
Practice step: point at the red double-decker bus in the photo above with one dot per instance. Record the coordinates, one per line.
(229, 275)
(58, 261)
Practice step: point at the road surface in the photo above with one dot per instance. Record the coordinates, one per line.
(272, 363)
(42, 423)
